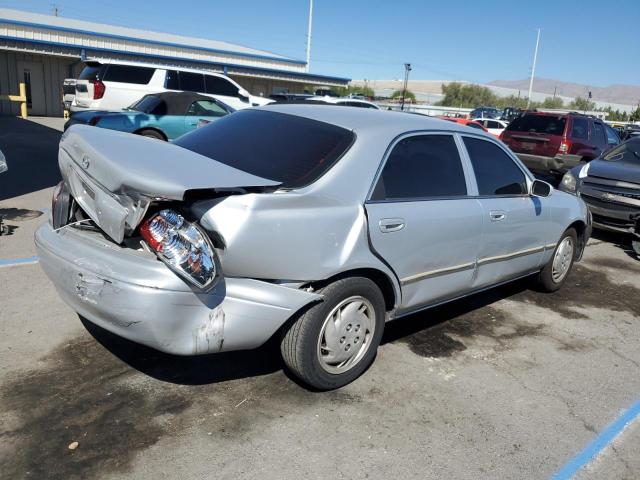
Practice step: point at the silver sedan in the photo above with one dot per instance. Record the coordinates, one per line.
(314, 223)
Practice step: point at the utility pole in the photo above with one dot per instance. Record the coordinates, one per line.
(533, 69)
(407, 69)
(309, 34)
(56, 10)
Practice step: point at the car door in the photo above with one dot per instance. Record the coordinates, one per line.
(513, 222)
(422, 219)
(202, 112)
(225, 91)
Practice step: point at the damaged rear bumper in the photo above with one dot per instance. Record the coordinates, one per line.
(559, 164)
(133, 295)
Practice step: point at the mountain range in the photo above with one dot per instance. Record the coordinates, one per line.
(622, 94)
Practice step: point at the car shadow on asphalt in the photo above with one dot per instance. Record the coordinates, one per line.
(411, 324)
(31, 152)
(192, 370)
(620, 240)
(220, 367)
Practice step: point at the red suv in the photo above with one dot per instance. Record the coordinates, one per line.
(554, 143)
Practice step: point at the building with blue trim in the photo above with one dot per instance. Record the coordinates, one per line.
(43, 50)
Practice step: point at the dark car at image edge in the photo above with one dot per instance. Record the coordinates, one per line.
(610, 186)
(554, 143)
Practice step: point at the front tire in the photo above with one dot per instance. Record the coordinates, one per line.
(555, 272)
(334, 342)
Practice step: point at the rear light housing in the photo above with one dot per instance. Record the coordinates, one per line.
(98, 89)
(182, 246)
(565, 146)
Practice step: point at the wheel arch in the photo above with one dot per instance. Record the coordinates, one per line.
(154, 129)
(380, 278)
(581, 231)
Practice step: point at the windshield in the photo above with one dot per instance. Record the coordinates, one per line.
(293, 150)
(628, 152)
(148, 104)
(538, 124)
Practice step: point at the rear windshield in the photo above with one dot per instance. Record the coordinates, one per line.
(292, 150)
(91, 72)
(150, 104)
(538, 124)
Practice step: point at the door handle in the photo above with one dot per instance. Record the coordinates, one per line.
(391, 224)
(497, 215)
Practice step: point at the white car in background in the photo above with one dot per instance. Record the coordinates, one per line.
(344, 101)
(493, 126)
(114, 86)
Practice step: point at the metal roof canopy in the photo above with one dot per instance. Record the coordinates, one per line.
(45, 34)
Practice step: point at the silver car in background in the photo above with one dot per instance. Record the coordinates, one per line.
(316, 224)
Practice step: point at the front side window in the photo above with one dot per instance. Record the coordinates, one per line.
(292, 150)
(191, 82)
(496, 173)
(219, 86)
(206, 108)
(422, 166)
(580, 128)
(128, 74)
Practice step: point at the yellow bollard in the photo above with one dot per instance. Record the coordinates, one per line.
(23, 95)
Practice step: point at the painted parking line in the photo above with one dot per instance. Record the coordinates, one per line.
(14, 262)
(599, 443)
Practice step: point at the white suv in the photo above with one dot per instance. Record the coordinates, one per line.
(114, 86)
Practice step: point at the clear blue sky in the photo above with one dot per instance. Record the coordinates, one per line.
(589, 42)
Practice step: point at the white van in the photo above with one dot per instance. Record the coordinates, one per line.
(114, 86)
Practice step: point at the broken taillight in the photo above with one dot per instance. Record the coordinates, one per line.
(182, 246)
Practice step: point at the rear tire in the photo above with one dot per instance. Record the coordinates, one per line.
(557, 269)
(151, 134)
(334, 342)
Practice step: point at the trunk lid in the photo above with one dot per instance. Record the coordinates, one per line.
(535, 134)
(114, 176)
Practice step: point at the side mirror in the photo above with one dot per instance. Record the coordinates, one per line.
(243, 95)
(541, 189)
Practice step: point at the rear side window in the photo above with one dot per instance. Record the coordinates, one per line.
(496, 173)
(128, 74)
(191, 82)
(419, 167)
(206, 108)
(292, 150)
(548, 124)
(612, 136)
(599, 132)
(580, 128)
(172, 82)
(219, 86)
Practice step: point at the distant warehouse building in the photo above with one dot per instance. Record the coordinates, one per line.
(43, 50)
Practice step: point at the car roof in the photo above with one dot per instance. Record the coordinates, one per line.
(361, 119)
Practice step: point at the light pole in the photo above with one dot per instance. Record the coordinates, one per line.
(309, 34)
(407, 69)
(533, 69)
